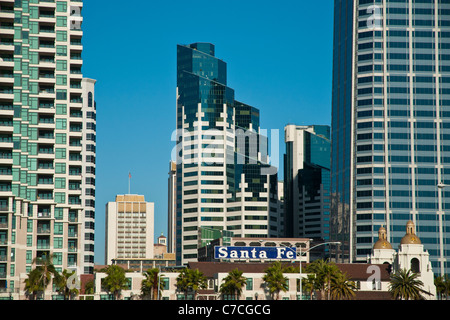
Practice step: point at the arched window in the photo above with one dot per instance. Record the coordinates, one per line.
(415, 265)
(90, 99)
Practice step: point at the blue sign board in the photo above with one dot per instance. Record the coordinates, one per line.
(261, 253)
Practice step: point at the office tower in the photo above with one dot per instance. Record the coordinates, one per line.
(390, 125)
(217, 188)
(171, 206)
(47, 148)
(129, 228)
(307, 181)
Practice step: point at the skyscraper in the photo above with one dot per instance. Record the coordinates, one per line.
(390, 124)
(221, 183)
(307, 181)
(48, 129)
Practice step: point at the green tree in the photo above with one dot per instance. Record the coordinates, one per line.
(442, 286)
(405, 285)
(341, 287)
(233, 284)
(115, 281)
(149, 285)
(65, 286)
(41, 276)
(325, 272)
(275, 281)
(191, 280)
(89, 287)
(33, 284)
(309, 285)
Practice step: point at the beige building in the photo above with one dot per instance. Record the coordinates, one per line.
(47, 142)
(129, 228)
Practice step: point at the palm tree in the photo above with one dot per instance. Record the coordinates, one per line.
(149, 285)
(341, 287)
(325, 273)
(191, 280)
(89, 288)
(33, 284)
(233, 284)
(115, 281)
(44, 271)
(405, 285)
(275, 280)
(309, 284)
(63, 284)
(442, 286)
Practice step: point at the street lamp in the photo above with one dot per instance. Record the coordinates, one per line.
(301, 254)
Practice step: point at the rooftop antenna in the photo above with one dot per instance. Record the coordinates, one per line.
(129, 182)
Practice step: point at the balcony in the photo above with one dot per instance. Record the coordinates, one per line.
(43, 230)
(76, 127)
(6, 92)
(6, 77)
(44, 215)
(45, 165)
(72, 234)
(45, 150)
(5, 187)
(46, 104)
(47, 29)
(44, 195)
(7, 44)
(74, 200)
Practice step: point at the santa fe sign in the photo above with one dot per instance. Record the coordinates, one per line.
(272, 253)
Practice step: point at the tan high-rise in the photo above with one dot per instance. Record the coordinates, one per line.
(129, 230)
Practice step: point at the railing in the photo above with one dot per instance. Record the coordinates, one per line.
(41, 230)
(44, 215)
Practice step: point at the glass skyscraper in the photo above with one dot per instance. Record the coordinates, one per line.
(307, 182)
(47, 141)
(391, 124)
(221, 184)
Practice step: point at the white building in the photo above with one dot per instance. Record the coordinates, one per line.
(129, 228)
(411, 255)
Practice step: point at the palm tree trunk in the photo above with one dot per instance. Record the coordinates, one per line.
(155, 287)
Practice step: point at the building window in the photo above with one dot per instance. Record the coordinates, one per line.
(415, 265)
(90, 99)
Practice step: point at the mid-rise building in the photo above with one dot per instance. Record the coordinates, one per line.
(223, 181)
(47, 141)
(390, 125)
(307, 182)
(129, 228)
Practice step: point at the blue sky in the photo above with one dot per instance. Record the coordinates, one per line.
(279, 57)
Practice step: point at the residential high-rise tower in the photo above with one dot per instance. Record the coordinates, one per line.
(48, 134)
